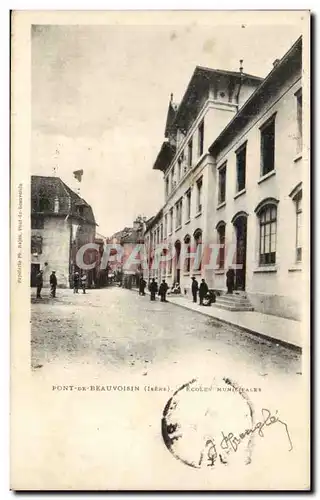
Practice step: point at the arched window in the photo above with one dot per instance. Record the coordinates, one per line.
(268, 234)
(198, 248)
(187, 241)
(296, 195)
(221, 236)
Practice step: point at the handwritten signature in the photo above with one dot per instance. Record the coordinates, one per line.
(232, 441)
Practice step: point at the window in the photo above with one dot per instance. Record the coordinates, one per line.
(190, 153)
(298, 202)
(161, 232)
(241, 167)
(44, 203)
(36, 244)
(200, 138)
(173, 184)
(199, 195)
(167, 187)
(37, 223)
(187, 241)
(267, 147)
(158, 235)
(188, 205)
(221, 230)
(56, 205)
(222, 184)
(198, 243)
(179, 169)
(268, 233)
(169, 264)
(179, 213)
(299, 120)
(165, 225)
(171, 221)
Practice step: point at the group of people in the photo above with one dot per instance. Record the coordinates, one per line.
(53, 284)
(205, 296)
(78, 282)
(162, 291)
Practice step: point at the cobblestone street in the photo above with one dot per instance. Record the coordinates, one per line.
(117, 328)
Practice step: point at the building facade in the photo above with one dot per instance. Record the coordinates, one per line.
(257, 205)
(127, 265)
(233, 178)
(61, 223)
(211, 100)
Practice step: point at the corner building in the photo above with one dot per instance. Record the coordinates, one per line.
(232, 169)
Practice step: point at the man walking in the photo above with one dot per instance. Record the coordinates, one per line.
(163, 291)
(76, 282)
(194, 289)
(153, 289)
(203, 290)
(53, 284)
(230, 280)
(39, 283)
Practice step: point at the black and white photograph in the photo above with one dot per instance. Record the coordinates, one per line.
(160, 250)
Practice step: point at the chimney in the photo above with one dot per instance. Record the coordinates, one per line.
(276, 62)
(241, 66)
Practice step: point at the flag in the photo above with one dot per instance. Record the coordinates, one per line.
(78, 174)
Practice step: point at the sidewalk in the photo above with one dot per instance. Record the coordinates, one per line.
(280, 330)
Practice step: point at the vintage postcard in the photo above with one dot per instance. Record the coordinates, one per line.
(160, 250)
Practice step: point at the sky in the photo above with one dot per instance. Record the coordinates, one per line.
(100, 95)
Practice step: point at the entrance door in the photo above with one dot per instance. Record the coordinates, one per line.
(241, 252)
(35, 268)
(177, 259)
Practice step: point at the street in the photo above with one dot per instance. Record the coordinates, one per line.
(117, 328)
(105, 366)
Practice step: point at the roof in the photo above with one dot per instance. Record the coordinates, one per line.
(172, 110)
(290, 63)
(199, 81)
(165, 156)
(46, 190)
(153, 220)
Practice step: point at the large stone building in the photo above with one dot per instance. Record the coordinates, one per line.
(232, 164)
(61, 223)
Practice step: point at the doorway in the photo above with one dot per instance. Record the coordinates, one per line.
(35, 268)
(177, 246)
(240, 225)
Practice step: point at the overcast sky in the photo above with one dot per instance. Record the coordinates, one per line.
(100, 96)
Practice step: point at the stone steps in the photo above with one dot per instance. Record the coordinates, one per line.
(234, 302)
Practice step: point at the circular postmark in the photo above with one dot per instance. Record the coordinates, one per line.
(209, 425)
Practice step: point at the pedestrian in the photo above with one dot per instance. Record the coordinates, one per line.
(39, 283)
(203, 290)
(83, 282)
(76, 282)
(163, 288)
(194, 289)
(153, 289)
(230, 280)
(53, 284)
(142, 286)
